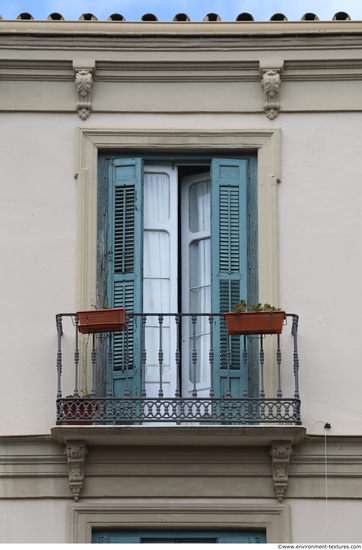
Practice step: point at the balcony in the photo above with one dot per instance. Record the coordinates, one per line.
(217, 405)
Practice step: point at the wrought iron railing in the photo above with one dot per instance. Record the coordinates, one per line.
(108, 409)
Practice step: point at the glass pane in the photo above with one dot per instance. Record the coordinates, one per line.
(199, 201)
(156, 198)
(200, 263)
(200, 302)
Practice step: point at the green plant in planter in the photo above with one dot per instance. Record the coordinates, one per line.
(245, 306)
(103, 304)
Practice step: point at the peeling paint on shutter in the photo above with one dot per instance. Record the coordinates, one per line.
(125, 284)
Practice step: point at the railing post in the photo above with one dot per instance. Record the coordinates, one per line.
(144, 355)
(295, 355)
(110, 367)
(211, 356)
(177, 356)
(126, 355)
(279, 360)
(93, 359)
(194, 353)
(228, 359)
(261, 359)
(59, 355)
(76, 357)
(160, 355)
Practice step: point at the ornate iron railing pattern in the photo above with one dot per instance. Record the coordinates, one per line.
(114, 410)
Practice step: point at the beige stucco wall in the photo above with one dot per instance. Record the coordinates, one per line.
(48, 520)
(319, 226)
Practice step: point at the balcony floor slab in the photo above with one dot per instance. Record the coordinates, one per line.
(180, 435)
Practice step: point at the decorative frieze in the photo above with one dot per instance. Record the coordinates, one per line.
(280, 453)
(76, 452)
(84, 81)
(271, 70)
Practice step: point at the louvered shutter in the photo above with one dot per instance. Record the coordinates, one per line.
(125, 276)
(229, 259)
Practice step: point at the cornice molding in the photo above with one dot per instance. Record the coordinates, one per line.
(229, 70)
(220, 28)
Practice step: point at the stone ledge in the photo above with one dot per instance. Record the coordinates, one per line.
(241, 436)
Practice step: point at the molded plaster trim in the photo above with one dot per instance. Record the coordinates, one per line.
(229, 70)
(179, 514)
(267, 143)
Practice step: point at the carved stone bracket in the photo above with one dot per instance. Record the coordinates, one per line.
(271, 70)
(84, 70)
(280, 453)
(76, 452)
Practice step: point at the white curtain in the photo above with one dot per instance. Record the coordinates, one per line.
(156, 198)
(156, 268)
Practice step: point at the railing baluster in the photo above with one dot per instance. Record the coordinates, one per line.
(261, 360)
(76, 357)
(194, 353)
(110, 367)
(160, 355)
(211, 356)
(279, 360)
(93, 359)
(59, 355)
(126, 355)
(245, 362)
(144, 355)
(178, 356)
(228, 358)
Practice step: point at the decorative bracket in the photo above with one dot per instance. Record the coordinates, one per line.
(84, 70)
(271, 70)
(76, 452)
(281, 452)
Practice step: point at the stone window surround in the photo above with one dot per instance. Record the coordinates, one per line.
(265, 141)
(198, 514)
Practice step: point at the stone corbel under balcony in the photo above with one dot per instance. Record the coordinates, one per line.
(84, 70)
(270, 70)
(76, 452)
(281, 451)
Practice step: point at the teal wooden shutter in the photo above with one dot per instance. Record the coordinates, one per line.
(229, 262)
(126, 258)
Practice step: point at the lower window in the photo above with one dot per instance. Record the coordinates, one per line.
(179, 537)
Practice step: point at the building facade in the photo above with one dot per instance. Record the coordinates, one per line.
(176, 168)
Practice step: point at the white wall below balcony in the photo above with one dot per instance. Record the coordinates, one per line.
(320, 230)
(47, 520)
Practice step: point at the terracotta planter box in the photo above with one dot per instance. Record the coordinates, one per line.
(101, 320)
(255, 322)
